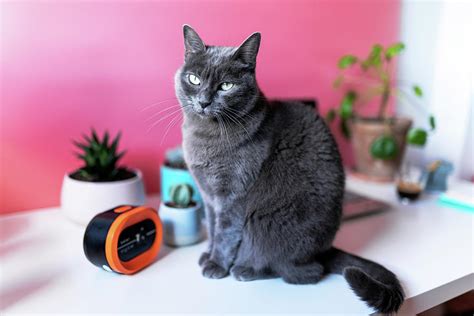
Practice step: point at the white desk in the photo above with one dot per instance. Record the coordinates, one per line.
(43, 268)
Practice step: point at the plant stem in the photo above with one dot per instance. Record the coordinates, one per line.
(384, 101)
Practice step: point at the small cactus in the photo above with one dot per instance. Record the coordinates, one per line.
(181, 195)
(174, 158)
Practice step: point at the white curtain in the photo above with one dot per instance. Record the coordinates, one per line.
(439, 57)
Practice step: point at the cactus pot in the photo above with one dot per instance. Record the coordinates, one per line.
(171, 176)
(182, 226)
(82, 200)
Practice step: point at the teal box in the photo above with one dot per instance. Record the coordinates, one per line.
(171, 176)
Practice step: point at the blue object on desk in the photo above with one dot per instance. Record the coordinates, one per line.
(443, 199)
(171, 176)
(437, 179)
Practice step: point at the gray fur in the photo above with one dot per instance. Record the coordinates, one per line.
(270, 174)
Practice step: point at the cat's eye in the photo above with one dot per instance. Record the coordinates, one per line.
(194, 79)
(226, 86)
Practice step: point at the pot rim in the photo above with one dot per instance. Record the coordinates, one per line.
(377, 121)
(138, 177)
(164, 166)
(187, 209)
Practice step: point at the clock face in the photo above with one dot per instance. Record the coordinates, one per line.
(136, 239)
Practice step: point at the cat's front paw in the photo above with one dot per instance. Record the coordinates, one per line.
(203, 258)
(212, 270)
(241, 273)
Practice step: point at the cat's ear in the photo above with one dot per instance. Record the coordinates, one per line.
(192, 42)
(247, 51)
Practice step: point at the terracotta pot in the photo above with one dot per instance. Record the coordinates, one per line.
(364, 132)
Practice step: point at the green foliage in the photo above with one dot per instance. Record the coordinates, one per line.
(347, 61)
(394, 50)
(344, 125)
(432, 122)
(374, 59)
(377, 81)
(181, 195)
(330, 115)
(100, 158)
(417, 137)
(384, 147)
(417, 90)
(345, 109)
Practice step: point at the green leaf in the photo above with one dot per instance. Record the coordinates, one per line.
(351, 96)
(94, 136)
(417, 137)
(87, 138)
(344, 126)
(103, 157)
(105, 140)
(347, 104)
(80, 145)
(90, 161)
(384, 147)
(345, 109)
(120, 155)
(82, 157)
(330, 116)
(347, 61)
(417, 90)
(114, 145)
(95, 146)
(394, 50)
(432, 122)
(374, 56)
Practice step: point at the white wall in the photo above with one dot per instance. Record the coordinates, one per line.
(439, 51)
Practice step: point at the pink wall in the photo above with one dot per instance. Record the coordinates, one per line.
(68, 66)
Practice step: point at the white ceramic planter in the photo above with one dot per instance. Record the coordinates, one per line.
(82, 200)
(181, 226)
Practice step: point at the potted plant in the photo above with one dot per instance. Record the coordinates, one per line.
(174, 171)
(100, 184)
(181, 217)
(378, 140)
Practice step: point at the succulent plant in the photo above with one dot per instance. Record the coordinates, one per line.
(100, 159)
(174, 158)
(181, 195)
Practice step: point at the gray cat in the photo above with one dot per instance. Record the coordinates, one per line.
(270, 175)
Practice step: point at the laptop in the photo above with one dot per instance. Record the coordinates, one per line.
(358, 206)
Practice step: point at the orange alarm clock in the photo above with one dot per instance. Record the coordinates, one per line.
(124, 239)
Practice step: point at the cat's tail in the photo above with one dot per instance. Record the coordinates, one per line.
(372, 282)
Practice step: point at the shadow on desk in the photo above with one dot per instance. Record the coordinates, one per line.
(16, 293)
(12, 227)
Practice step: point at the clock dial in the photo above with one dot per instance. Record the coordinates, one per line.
(136, 239)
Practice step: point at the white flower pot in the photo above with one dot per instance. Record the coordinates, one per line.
(82, 200)
(181, 226)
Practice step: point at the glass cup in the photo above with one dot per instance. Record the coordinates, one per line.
(411, 181)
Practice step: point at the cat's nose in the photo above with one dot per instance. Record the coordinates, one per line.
(204, 104)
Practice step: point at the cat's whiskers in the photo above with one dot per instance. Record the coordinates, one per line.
(174, 106)
(226, 133)
(235, 120)
(173, 114)
(146, 107)
(221, 134)
(170, 124)
(241, 114)
(174, 111)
